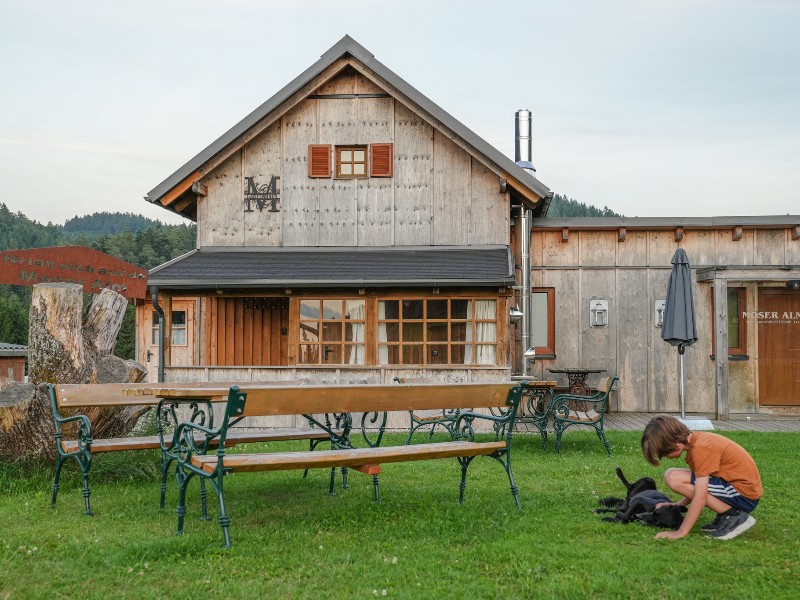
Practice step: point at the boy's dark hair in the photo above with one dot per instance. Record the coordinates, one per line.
(660, 437)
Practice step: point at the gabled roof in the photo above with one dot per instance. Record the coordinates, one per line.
(394, 266)
(523, 185)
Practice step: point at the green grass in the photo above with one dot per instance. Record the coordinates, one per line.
(291, 540)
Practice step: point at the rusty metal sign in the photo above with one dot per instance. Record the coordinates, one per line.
(92, 269)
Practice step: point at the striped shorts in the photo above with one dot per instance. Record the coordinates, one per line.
(721, 489)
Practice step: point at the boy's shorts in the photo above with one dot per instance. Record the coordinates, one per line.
(721, 489)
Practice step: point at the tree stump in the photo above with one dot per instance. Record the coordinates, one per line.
(67, 345)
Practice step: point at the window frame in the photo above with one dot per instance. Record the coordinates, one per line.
(548, 351)
(740, 349)
(338, 150)
(154, 329)
(426, 345)
(343, 346)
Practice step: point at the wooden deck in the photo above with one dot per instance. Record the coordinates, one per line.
(636, 421)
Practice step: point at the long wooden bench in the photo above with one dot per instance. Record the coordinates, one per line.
(74, 396)
(347, 400)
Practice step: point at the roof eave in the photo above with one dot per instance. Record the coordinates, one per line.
(217, 284)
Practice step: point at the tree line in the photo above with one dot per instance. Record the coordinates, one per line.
(562, 206)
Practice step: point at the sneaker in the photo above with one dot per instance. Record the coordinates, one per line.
(709, 527)
(731, 526)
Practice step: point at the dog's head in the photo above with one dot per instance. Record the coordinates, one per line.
(670, 517)
(641, 485)
(638, 486)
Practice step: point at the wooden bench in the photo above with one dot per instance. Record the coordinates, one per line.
(347, 400)
(444, 418)
(81, 449)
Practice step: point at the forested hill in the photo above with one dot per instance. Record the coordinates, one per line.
(105, 223)
(561, 206)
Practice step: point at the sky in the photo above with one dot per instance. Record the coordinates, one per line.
(650, 107)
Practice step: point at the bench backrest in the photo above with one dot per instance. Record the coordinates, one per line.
(362, 398)
(76, 395)
(604, 390)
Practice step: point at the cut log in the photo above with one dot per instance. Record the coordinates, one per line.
(67, 345)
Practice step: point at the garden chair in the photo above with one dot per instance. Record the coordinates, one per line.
(571, 409)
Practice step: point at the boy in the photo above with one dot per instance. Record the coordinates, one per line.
(721, 476)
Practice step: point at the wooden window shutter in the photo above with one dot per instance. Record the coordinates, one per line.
(319, 160)
(381, 162)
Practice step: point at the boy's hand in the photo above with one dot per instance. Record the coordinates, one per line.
(669, 535)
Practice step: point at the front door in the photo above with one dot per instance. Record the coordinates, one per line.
(778, 347)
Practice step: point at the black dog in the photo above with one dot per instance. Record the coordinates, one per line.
(670, 516)
(640, 504)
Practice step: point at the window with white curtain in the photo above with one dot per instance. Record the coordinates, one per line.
(441, 331)
(332, 331)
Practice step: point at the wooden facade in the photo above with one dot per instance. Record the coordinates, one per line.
(12, 364)
(439, 194)
(351, 157)
(626, 262)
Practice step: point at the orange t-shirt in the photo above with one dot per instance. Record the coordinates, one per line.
(711, 454)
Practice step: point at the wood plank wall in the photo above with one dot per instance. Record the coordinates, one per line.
(439, 194)
(632, 275)
(245, 331)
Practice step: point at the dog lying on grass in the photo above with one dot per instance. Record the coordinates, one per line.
(640, 505)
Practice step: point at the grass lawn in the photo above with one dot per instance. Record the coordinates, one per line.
(291, 540)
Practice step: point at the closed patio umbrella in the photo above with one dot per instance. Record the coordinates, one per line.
(678, 327)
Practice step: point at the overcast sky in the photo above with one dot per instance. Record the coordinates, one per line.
(649, 107)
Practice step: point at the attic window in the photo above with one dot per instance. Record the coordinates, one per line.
(351, 162)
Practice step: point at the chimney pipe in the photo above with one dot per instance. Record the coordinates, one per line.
(523, 149)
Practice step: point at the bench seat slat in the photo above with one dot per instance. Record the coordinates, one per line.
(282, 461)
(151, 442)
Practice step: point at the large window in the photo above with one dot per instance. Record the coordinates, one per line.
(332, 332)
(737, 324)
(437, 332)
(543, 317)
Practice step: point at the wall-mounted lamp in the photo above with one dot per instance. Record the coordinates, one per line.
(659, 312)
(793, 285)
(598, 313)
(515, 314)
(530, 354)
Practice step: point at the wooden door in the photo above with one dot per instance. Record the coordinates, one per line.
(778, 319)
(181, 339)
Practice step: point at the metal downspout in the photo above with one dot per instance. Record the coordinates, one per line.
(525, 280)
(160, 311)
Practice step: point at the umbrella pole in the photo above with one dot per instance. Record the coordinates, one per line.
(683, 405)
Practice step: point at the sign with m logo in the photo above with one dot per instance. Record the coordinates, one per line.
(261, 195)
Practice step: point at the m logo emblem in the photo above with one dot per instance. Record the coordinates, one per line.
(261, 195)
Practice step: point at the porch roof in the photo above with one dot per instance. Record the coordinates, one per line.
(279, 267)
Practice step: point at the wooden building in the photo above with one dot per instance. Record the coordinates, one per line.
(12, 363)
(746, 296)
(348, 230)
